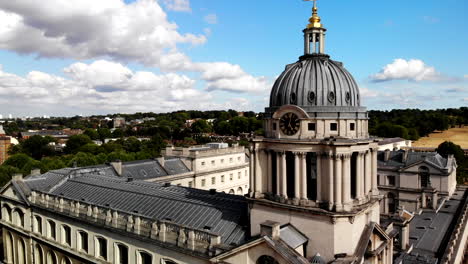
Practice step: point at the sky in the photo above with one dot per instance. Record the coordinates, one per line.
(85, 57)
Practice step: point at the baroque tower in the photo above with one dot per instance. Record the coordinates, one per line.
(316, 167)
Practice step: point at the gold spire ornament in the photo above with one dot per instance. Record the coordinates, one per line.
(314, 19)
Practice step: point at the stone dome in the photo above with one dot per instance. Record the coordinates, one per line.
(316, 83)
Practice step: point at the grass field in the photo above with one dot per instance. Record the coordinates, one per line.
(458, 136)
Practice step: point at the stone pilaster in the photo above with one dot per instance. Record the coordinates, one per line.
(284, 181)
(375, 189)
(303, 158)
(297, 176)
(330, 178)
(346, 189)
(368, 172)
(319, 178)
(269, 173)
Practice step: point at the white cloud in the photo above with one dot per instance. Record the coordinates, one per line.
(211, 19)
(411, 70)
(465, 76)
(84, 29)
(367, 93)
(178, 5)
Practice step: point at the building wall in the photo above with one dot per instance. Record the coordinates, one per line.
(62, 250)
(4, 147)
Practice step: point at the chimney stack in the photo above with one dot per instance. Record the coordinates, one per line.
(117, 165)
(271, 229)
(35, 172)
(17, 177)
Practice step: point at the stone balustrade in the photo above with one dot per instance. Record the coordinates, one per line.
(200, 241)
(199, 153)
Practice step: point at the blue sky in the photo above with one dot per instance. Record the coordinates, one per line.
(68, 57)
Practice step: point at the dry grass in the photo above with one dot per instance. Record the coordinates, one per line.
(458, 136)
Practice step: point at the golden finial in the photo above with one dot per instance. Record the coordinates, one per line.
(314, 19)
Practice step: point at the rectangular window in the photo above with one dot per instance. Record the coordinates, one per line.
(190, 184)
(311, 126)
(203, 163)
(274, 126)
(333, 127)
(222, 178)
(203, 183)
(378, 179)
(391, 180)
(212, 162)
(352, 126)
(38, 224)
(239, 175)
(66, 235)
(213, 180)
(231, 177)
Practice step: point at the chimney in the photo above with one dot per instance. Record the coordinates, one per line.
(17, 177)
(117, 164)
(161, 161)
(271, 229)
(35, 172)
(405, 156)
(387, 155)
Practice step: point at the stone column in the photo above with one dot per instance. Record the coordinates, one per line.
(297, 175)
(375, 189)
(269, 171)
(278, 173)
(314, 43)
(252, 171)
(322, 43)
(359, 176)
(346, 189)
(306, 43)
(368, 172)
(258, 173)
(304, 176)
(284, 181)
(330, 175)
(319, 177)
(338, 182)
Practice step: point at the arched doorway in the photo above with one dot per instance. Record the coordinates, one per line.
(239, 191)
(266, 260)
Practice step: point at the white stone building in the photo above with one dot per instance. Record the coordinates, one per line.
(415, 180)
(214, 166)
(394, 144)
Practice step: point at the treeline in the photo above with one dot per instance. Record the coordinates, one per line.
(413, 123)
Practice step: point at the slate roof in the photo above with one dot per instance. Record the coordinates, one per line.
(396, 159)
(390, 141)
(148, 169)
(291, 236)
(219, 213)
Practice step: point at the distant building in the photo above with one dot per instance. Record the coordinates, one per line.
(414, 180)
(215, 166)
(57, 134)
(5, 144)
(119, 122)
(394, 144)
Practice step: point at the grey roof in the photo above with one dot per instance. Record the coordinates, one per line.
(397, 159)
(317, 259)
(428, 229)
(316, 83)
(147, 169)
(288, 253)
(220, 213)
(291, 236)
(386, 141)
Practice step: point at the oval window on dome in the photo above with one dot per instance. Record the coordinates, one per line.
(293, 98)
(331, 96)
(312, 97)
(348, 97)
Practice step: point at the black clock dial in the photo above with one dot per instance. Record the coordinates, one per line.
(289, 124)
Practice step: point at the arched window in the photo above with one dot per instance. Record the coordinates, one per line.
(37, 224)
(9, 248)
(66, 260)
(66, 235)
(425, 177)
(18, 217)
(38, 255)
(232, 191)
(101, 248)
(168, 261)
(21, 252)
(6, 213)
(51, 231)
(239, 191)
(266, 260)
(121, 255)
(82, 241)
(144, 258)
(51, 257)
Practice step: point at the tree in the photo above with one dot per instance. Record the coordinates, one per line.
(92, 133)
(75, 142)
(118, 133)
(38, 147)
(18, 160)
(82, 159)
(6, 172)
(201, 126)
(449, 148)
(104, 133)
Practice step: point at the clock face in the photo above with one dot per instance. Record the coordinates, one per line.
(289, 124)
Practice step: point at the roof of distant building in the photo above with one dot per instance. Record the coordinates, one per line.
(402, 159)
(386, 141)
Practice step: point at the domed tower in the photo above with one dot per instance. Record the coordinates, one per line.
(316, 167)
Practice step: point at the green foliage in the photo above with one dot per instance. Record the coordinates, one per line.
(92, 133)
(201, 126)
(37, 146)
(449, 148)
(75, 142)
(18, 160)
(82, 159)
(6, 172)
